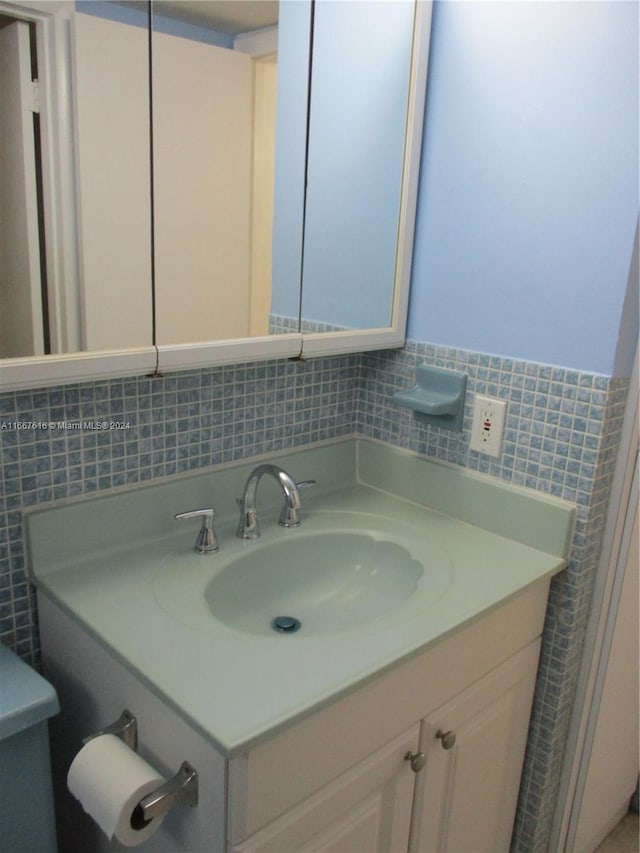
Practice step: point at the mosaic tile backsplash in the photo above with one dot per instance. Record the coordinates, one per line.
(561, 437)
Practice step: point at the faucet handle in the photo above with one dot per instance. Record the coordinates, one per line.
(304, 483)
(206, 541)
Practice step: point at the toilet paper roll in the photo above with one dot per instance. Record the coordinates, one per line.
(109, 780)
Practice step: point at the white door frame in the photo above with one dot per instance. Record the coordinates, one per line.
(611, 567)
(21, 312)
(51, 18)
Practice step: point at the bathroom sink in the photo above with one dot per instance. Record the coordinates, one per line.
(320, 582)
(375, 573)
(335, 573)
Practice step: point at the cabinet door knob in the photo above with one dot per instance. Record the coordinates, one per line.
(448, 738)
(417, 760)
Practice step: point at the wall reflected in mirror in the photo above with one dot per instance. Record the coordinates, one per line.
(362, 54)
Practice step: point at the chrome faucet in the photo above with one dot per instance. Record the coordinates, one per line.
(249, 527)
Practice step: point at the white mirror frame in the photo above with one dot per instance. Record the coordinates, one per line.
(51, 18)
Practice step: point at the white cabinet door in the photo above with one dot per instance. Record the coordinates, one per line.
(466, 795)
(366, 810)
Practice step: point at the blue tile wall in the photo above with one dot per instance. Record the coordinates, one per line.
(561, 437)
(50, 446)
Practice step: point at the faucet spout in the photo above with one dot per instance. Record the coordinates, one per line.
(249, 527)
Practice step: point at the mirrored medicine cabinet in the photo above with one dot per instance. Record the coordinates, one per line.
(185, 184)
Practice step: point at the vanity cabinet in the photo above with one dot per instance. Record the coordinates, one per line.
(460, 795)
(337, 778)
(300, 740)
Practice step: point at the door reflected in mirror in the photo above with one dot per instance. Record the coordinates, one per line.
(229, 101)
(112, 156)
(75, 183)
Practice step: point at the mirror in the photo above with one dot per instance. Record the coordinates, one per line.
(327, 219)
(228, 198)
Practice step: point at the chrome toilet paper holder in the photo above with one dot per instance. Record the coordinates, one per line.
(125, 727)
(181, 789)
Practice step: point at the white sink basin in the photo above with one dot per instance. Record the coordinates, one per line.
(337, 572)
(323, 582)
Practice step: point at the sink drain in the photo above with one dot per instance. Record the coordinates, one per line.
(286, 624)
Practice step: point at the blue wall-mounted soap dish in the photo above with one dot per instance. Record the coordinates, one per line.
(438, 398)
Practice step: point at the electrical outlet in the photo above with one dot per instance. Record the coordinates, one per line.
(488, 425)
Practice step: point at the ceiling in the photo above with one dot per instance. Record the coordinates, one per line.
(227, 16)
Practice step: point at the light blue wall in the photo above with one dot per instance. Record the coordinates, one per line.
(529, 183)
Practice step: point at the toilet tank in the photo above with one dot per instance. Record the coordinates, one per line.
(27, 701)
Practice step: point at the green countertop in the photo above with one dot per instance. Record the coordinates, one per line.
(142, 596)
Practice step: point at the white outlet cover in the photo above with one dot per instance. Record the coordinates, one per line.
(489, 415)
